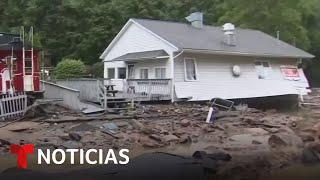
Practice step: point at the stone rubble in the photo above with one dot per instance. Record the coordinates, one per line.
(238, 132)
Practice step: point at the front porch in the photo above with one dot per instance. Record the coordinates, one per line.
(140, 90)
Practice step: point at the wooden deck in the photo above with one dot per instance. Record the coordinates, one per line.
(144, 90)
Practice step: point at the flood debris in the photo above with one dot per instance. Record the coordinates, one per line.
(241, 132)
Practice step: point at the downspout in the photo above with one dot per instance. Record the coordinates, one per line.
(172, 72)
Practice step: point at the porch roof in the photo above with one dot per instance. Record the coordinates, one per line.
(136, 56)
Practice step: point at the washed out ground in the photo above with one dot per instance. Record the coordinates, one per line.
(259, 142)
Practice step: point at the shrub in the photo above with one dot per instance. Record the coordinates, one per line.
(69, 68)
(96, 70)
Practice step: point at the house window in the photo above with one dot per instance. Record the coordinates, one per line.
(190, 69)
(28, 65)
(160, 73)
(263, 69)
(122, 73)
(130, 71)
(111, 73)
(144, 73)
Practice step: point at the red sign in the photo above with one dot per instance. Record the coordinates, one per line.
(290, 72)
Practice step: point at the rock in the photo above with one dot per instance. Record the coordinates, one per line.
(283, 139)
(310, 131)
(149, 143)
(65, 138)
(4, 142)
(256, 131)
(315, 146)
(219, 127)
(272, 130)
(83, 127)
(122, 124)
(310, 156)
(75, 136)
(147, 130)
(317, 127)
(185, 123)
(170, 138)
(256, 142)
(71, 145)
(307, 138)
(136, 124)
(185, 139)
(155, 137)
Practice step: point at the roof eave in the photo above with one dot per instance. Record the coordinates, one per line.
(208, 51)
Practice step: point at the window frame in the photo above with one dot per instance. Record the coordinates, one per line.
(269, 68)
(132, 76)
(160, 67)
(195, 67)
(144, 68)
(114, 72)
(125, 74)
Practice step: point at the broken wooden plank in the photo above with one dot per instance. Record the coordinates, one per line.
(109, 117)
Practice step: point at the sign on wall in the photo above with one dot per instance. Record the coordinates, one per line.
(290, 72)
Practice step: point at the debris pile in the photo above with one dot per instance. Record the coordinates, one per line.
(242, 132)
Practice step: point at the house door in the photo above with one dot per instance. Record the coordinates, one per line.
(6, 81)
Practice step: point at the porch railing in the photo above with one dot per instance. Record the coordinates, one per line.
(148, 89)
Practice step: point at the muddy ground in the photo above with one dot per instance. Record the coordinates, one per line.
(259, 142)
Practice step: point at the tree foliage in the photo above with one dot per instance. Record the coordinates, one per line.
(81, 29)
(69, 68)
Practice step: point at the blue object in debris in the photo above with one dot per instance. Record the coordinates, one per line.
(111, 127)
(213, 115)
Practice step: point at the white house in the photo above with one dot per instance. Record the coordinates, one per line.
(173, 60)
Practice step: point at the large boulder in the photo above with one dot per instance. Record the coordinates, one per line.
(285, 139)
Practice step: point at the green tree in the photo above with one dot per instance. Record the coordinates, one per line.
(69, 68)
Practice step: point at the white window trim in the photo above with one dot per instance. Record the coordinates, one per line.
(118, 73)
(185, 69)
(115, 69)
(127, 74)
(262, 61)
(270, 67)
(144, 68)
(158, 67)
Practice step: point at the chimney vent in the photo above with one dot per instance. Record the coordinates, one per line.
(229, 34)
(196, 19)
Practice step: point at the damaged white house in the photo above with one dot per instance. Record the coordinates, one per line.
(173, 61)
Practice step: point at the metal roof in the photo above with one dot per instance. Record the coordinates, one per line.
(7, 40)
(210, 38)
(156, 54)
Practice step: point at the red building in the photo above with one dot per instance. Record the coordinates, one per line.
(19, 65)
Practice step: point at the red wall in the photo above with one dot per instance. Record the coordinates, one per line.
(18, 76)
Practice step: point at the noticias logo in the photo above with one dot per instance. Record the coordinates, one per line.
(59, 156)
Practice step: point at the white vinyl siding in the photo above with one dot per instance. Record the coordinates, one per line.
(190, 69)
(160, 73)
(144, 73)
(111, 73)
(263, 69)
(215, 79)
(137, 39)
